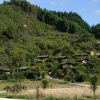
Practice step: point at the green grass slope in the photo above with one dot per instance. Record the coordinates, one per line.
(23, 35)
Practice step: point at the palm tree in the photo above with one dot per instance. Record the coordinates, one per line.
(93, 82)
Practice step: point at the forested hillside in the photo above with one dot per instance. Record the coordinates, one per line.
(27, 31)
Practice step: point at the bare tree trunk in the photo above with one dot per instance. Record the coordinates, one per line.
(37, 93)
(94, 95)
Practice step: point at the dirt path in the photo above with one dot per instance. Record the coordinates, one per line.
(84, 85)
(77, 84)
(71, 91)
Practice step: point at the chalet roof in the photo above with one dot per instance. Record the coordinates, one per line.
(95, 51)
(43, 56)
(23, 68)
(81, 54)
(40, 61)
(5, 68)
(60, 57)
(80, 59)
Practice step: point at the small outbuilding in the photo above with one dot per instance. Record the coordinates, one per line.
(60, 57)
(67, 65)
(42, 58)
(81, 57)
(95, 53)
(23, 68)
(5, 69)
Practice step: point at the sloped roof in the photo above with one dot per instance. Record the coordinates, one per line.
(60, 57)
(5, 68)
(43, 56)
(81, 54)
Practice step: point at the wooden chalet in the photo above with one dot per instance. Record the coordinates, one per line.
(67, 65)
(23, 68)
(42, 58)
(94, 53)
(82, 60)
(60, 57)
(64, 65)
(5, 69)
(81, 57)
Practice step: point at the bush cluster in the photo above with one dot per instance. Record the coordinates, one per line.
(14, 88)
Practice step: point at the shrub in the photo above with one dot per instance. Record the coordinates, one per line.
(45, 83)
(4, 77)
(30, 74)
(93, 81)
(80, 77)
(15, 88)
(67, 78)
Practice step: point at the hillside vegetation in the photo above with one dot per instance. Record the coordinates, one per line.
(27, 31)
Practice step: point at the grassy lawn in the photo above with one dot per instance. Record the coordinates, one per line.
(56, 89)
(33, 84)
(3, 95)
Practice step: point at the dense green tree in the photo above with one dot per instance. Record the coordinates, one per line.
(10, 32)
(93, 82)
(96, 30)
